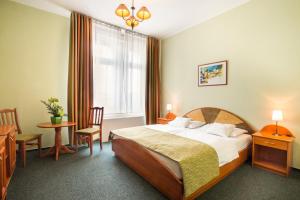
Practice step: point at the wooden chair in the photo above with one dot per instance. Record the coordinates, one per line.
(10, 117)
(95, 119)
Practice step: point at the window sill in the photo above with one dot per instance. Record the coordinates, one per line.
(121, 116)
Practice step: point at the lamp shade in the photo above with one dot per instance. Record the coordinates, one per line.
(132, 22)
(143, 13)
(122, 11)
(277, 115)
(169, 107)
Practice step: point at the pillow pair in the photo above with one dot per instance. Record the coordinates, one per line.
(224, 130)
(183, 122)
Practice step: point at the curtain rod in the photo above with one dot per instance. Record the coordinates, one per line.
(118, 27)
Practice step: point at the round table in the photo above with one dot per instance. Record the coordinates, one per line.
(59, 147)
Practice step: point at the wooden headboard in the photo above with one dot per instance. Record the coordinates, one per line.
(211, 115)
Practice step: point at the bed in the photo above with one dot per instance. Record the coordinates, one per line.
(163, 173)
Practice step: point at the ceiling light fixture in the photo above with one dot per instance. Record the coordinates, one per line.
(130, 19)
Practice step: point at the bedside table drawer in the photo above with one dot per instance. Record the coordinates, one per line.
(271, 143)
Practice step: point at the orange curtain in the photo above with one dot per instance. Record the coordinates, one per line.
(152, 81)
(80, 79)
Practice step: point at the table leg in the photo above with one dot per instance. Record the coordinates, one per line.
(49, 152)
(65, 149)
(71, 135)
(57, 141)
(59, 147)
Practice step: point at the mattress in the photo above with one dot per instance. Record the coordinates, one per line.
(227, 148)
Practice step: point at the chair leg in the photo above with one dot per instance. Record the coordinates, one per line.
(76, 141)
(40, 145)
(19, 151)
(79, 140)
(91, 144)
(100, 140)
(23, 153)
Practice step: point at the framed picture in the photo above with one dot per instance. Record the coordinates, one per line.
(212, 74)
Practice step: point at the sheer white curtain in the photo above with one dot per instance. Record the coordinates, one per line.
(119, 70)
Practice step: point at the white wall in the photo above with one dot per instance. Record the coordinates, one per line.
(111, 124)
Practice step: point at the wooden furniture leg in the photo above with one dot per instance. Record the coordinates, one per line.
(76, 141)
(71, 136)
(91, 144)
(22, 148)
(51, 151)
(58, 146)
(40, 145)
(87, 139)
(65, 149)
(100, 140)
(19, 151)
(57, 142)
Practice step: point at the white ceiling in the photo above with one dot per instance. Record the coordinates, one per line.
(168, 16)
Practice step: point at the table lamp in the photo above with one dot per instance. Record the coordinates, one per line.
(277, 116)
(170, 115)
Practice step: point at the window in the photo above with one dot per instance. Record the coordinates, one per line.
(119, 70)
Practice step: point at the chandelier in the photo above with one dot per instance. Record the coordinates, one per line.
(129, 18)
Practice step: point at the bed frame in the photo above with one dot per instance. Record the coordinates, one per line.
(160, 176)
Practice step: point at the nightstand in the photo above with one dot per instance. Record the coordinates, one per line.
(164, 120)
(273, 153)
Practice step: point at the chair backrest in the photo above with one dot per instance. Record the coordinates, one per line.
(96, 116)
(10, 117)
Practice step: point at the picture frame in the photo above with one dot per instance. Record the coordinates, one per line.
(213, 74)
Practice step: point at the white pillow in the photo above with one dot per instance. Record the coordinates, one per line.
(223, 130)
(237, 132)
(180, 122)
(195, 124)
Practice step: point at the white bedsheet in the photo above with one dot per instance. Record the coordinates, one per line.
(227, 148)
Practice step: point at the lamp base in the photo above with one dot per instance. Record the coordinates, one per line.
(170, 115)
(276, 134)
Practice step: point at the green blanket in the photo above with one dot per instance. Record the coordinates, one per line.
(198, 161)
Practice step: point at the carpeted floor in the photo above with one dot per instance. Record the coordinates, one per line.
(81, 177)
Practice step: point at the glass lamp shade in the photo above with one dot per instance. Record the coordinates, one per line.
(143, 13)
(169, 107)
(132, 22)
(122, 11)
(277, 115)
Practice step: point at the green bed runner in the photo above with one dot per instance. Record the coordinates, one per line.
(198, 161)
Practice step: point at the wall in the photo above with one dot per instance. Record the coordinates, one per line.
(111, 124)
(34, 52)
(261, 41)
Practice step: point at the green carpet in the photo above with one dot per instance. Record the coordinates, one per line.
(81, 177)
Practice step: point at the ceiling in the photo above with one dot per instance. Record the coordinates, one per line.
(168, 16)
